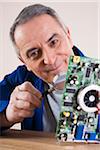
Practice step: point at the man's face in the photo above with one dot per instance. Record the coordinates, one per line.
(44, 46)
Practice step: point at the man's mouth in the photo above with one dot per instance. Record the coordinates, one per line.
(55, 70)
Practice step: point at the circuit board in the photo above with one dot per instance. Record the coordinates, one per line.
(80, 116)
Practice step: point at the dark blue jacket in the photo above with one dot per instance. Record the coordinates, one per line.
(20, 75)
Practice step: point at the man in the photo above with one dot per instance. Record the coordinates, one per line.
(44, 45)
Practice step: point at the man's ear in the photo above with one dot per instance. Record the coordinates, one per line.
(69, 36)
(68, 33)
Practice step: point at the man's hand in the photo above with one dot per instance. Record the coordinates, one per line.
(98, 106)
(24, 99)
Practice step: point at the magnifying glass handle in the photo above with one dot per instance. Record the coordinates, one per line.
(48, 91)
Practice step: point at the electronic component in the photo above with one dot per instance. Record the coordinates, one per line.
(79, 116)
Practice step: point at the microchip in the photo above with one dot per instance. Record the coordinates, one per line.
(68, 104)
(70, 90)
(88, 71)
(81, 117)
(98, 74)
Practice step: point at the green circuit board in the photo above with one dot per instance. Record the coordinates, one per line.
(79, 117)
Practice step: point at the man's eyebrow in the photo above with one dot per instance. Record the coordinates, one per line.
(55, 34)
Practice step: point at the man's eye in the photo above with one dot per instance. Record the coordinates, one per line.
(54, 43)
(33, 54)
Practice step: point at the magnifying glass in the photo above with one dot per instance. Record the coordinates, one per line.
(57, 80)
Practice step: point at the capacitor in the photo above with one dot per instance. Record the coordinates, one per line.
(66, 114)
(79, 132)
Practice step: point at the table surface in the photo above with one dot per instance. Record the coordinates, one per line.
(30, 140)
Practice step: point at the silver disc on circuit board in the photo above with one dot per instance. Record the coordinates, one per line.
(88, 98)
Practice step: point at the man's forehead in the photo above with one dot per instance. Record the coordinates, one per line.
(44, 20)
(42, 26)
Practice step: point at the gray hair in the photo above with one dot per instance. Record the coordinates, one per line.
(28, 13)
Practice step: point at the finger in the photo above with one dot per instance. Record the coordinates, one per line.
(27, 86)
(98, 106)
(25, 113)
(26, 96)
(22, 104)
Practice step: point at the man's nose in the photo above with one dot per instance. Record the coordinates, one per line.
(49, 57)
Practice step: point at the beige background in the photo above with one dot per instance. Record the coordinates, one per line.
(82, 18)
